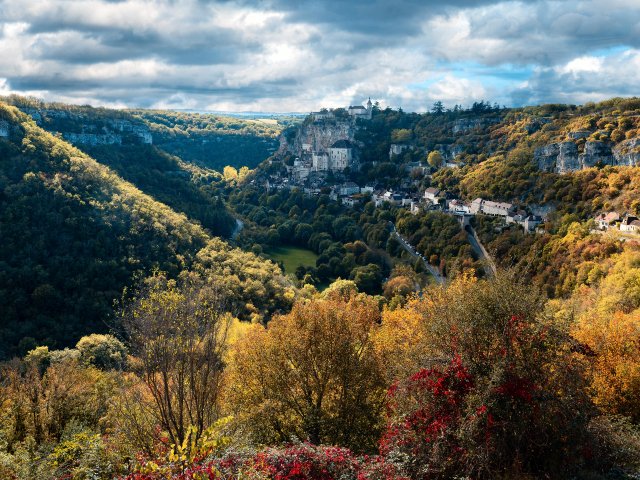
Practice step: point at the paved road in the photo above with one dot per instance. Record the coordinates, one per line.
(415, 255)
(489, 264)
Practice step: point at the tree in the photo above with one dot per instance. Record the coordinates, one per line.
(230, 173)
(178, 334)
(401, 135)
(492, 389)
(313, 374)
(435, 159)
(367, 278)
(438, 108)
(102, 351)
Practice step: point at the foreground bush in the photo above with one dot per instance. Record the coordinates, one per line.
(295, 462)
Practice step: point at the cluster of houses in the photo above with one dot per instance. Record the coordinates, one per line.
(351, 194)
(309, 172)
(338, 156)
(612, 220)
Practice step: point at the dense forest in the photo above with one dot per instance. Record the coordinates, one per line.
(75, 234)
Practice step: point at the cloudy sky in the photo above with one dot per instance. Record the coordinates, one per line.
(297, 55)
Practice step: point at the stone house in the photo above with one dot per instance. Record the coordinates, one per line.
(630, 224)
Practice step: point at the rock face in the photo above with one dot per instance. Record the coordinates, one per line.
(595, 152)
(449, 152)
(93, 139)
(85, 129)
(627, 153)
(318, 137)
(563, 157)
(4, 128)
(464, 125)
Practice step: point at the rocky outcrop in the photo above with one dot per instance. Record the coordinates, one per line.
(594, 153)
(465, 125)
(577, 135)
(4, 128)
(627, 153)
(318, 137)
(563, 157)
(449, 152)
(93, 139)
(91, 129)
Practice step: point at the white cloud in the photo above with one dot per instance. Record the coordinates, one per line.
(582, 64)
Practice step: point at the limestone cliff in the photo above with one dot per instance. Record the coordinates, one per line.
(317, 136)
(92, 129)
(564, 157)
(627, 152)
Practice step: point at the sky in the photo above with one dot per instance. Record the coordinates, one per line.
(300, 55)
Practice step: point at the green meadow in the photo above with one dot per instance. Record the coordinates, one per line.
(292, 257)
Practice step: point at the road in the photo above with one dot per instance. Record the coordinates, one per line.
(489, 264)
(416, 256)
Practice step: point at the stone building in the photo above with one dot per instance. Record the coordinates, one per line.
(340, 155)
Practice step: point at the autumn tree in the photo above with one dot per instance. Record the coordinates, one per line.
(230, 174)
(313, 374)
(177, 332)
(608, 324)
(490, 386)
(435, 159)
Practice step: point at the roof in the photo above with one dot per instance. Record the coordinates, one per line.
(433, 190)
(501, 205)
(357, 107)
(341, 144)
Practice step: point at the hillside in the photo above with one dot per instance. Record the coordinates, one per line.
(211, 141)
(488, 152)
(74, 234)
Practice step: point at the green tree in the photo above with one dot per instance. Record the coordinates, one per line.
(102, 351)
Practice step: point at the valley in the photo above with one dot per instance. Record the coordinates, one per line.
(365, 242)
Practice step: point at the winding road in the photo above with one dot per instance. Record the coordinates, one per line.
(415, 255)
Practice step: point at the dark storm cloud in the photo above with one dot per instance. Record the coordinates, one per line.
(220, 46)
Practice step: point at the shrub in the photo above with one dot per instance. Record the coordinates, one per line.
(102, 351)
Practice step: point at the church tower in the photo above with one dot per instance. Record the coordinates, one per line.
(369, 108)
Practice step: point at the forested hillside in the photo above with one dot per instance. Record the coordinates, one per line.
(185, 187)
(209, 140)
(214, 141)
(75, 234)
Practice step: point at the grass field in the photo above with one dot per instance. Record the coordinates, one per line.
(292, 257)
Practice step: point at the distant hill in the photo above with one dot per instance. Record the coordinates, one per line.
(209, 140)
(214, 140)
